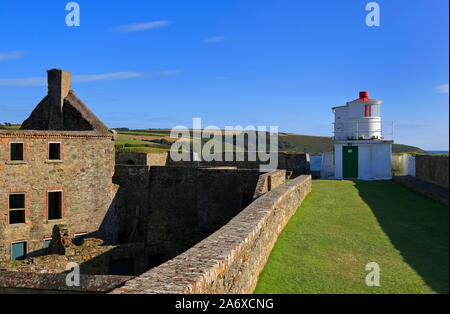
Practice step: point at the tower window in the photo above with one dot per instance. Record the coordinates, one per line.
(16, 152)
(54, 203)
(16, 209)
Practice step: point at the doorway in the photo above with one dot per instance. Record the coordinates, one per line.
(350, 162)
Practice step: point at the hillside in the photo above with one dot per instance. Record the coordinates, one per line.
(159, 139)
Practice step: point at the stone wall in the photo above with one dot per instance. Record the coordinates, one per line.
(173, 208)
(187, 204)
(269, 181)
(132, 198)
(84, 175)
(149, 159)
(403, 165)
(433, 169)
(230, 260)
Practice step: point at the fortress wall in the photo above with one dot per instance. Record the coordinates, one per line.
(230, 260)
(269, 181)
(297, 163)
(187, 204)
(130, 158)
(433, 169)
(132, 200)
(149, 159)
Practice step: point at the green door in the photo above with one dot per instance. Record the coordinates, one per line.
(350, 162)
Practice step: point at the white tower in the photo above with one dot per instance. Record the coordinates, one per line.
(360, 149)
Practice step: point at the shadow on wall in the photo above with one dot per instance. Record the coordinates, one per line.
(126, 259)
(416, 226)
(188, 204)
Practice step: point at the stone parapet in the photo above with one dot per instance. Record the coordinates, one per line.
(230, 260)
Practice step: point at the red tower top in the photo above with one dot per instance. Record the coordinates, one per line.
(363, 94)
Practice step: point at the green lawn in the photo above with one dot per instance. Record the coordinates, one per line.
(342, 226)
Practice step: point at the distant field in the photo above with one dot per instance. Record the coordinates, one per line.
(287, 142)
(10, 127)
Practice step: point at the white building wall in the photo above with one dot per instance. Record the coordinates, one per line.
(338, 161)
(327, 166)
(381, 167)
(374, 161)
(365, 162)
(356, 110)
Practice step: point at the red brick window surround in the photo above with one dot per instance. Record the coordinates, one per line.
(54, 203)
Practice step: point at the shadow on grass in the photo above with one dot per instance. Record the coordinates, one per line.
(416, 225)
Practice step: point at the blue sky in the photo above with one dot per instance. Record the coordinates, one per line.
(158, 64)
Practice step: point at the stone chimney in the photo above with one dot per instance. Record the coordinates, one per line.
(58, 89)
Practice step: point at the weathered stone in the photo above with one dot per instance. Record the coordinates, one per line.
(92, 242)
(61, 239)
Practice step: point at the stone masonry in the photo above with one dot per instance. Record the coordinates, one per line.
(83, 173)
(229, 260)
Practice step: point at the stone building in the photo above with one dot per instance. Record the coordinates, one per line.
(57, 169)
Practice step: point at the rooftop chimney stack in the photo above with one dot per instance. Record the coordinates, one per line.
(58, 89)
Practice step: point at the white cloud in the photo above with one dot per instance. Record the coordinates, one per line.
(11, 55)
(162, 74)
(105, 77)
(216, 39)
(442, 89)
(42, 81)
(30, 81)
(142, 26)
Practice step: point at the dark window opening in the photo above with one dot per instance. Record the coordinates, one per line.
(54, 205)
(16, 208)
(54, 151)
(130, 162)
(17, 201)
(16, 217)
(16, 151)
